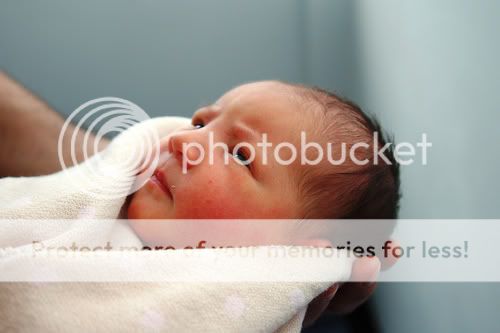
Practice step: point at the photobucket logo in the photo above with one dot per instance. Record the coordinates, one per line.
(405, 153)
(125, 165)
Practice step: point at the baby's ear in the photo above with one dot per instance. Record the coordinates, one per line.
(315, 242)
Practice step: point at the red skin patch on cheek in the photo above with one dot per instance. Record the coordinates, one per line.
(210, 202)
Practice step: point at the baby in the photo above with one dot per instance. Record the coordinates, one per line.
(217, 188)
(266, 187)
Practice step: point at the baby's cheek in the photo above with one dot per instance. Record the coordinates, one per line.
(212, 202)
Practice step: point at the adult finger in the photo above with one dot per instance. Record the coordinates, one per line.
(318, 305)
(352, 294)
(389, 260)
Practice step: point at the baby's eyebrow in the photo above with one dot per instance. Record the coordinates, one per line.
(207, 112)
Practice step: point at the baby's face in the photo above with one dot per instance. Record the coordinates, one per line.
(220, 190)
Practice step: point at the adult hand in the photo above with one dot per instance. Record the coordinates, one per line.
(350, 295)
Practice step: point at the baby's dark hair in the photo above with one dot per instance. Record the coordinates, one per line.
(349, 191)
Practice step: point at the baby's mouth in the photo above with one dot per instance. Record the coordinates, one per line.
(158, 178)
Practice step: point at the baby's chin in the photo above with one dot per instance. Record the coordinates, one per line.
(145, 205)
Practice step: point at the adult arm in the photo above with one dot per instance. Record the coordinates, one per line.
(29, 132)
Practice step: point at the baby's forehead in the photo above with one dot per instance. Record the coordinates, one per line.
(270, 109)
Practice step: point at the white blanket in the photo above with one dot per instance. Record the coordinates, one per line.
(126, 306)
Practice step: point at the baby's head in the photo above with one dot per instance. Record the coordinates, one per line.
(267, 119)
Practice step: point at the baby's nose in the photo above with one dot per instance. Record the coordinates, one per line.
(184, 149)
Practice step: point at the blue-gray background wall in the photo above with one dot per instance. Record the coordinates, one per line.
(422, 66)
